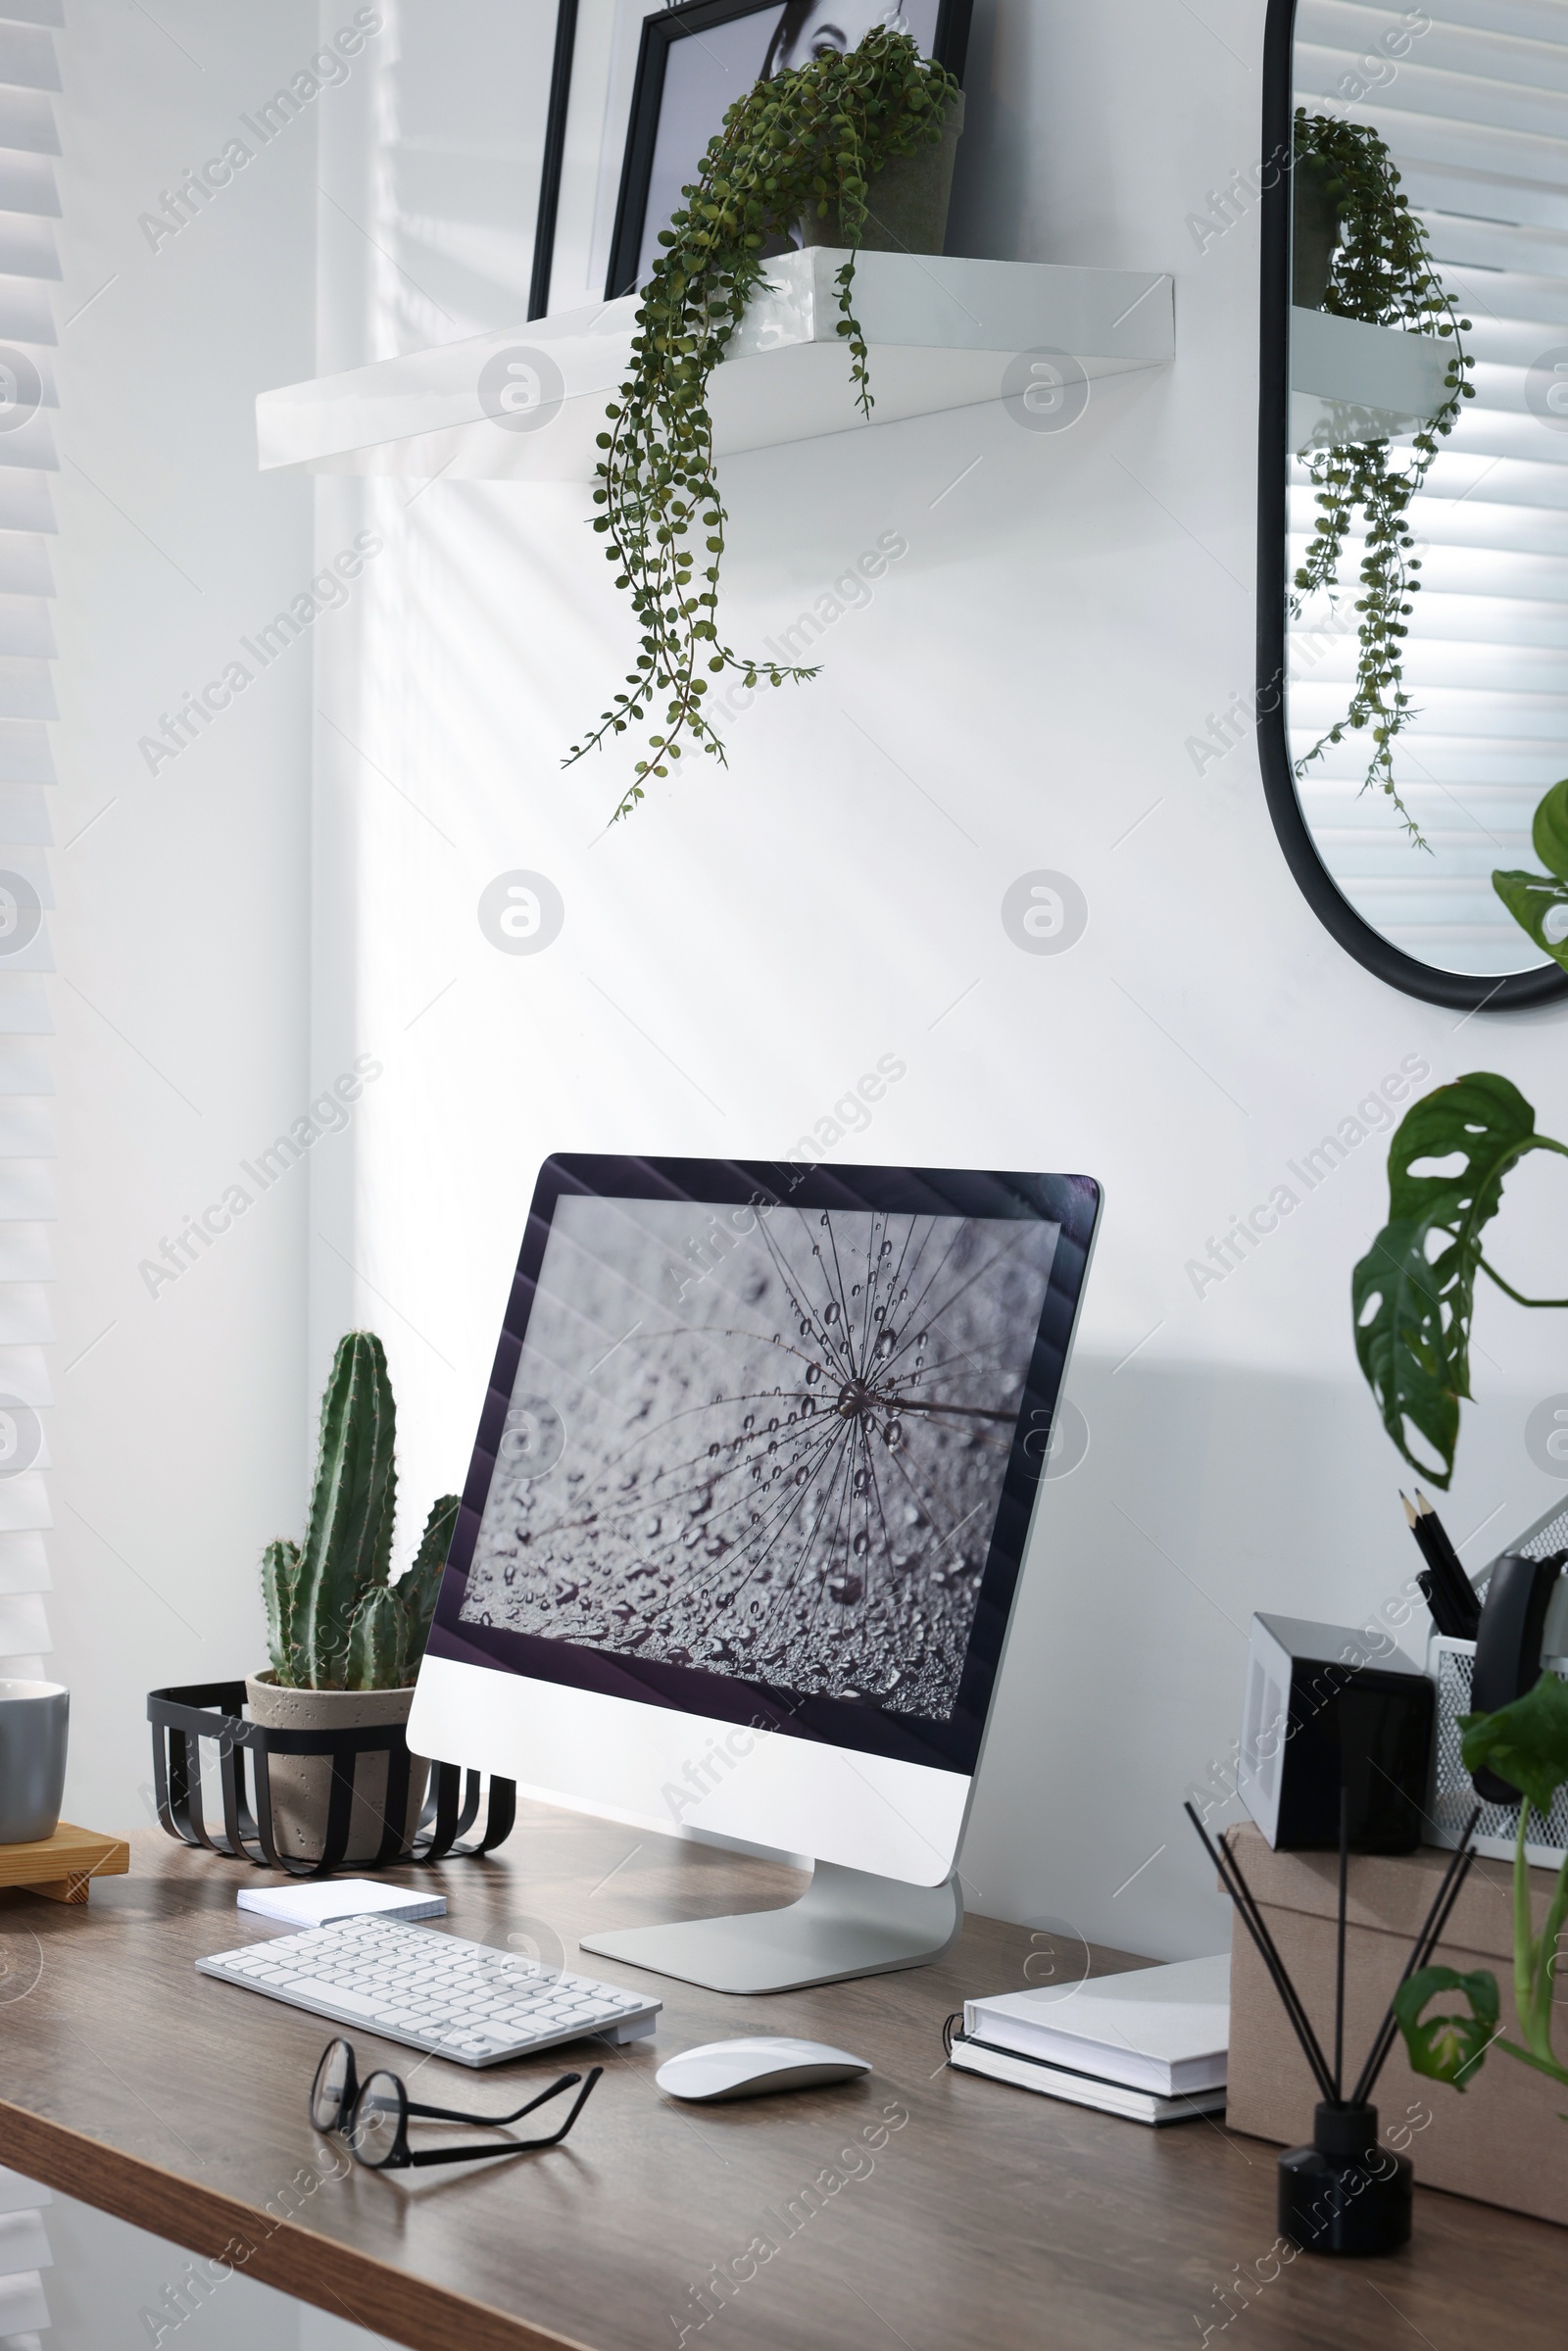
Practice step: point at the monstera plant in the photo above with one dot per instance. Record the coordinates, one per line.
(1526, 1745)
(1413, 1293)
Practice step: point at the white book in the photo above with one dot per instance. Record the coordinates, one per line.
(1081, 2089)
(1158, 2028)
(321, 1900)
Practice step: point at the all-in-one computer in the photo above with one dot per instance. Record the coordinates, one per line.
(744, 1525)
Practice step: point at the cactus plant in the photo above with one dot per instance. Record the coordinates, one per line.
(335, 1621)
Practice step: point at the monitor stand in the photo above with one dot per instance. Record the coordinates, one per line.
(847, 1923)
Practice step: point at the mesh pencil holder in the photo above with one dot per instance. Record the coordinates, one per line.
(1450, 1664)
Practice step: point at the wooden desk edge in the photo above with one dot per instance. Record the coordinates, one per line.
(297, 2261)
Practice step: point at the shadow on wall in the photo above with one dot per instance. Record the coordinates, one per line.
(1200, 1493)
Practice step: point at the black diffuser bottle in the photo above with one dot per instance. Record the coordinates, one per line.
(1344, 2193)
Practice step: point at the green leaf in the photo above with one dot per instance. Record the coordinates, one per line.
(1447, 2048)
(1532, 900)
(1413, 1293)
(1550, 832)
(1525, 1743)
(1482, 1118)
(1401, 1345)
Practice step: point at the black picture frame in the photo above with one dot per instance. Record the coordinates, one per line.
(1464, 992)
(1070, 1202)
(689, 19)
(543, 240)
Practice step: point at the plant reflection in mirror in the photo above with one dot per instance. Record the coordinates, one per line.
(1382, 273)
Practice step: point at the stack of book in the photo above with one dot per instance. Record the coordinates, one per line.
(1149, 2045)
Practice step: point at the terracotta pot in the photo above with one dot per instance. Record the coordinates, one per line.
(905, 202)
(301, 1783)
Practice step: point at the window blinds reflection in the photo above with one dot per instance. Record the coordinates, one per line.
(1476, 120)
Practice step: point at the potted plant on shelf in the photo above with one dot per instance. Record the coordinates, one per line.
(1413, 1299)
(345, 1643)
(807, 153)
(1362, 251)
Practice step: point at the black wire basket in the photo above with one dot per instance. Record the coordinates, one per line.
(183, 1718)
(1450, 1664)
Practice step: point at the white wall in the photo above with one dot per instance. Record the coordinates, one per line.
(183, 940)
(1018, 695)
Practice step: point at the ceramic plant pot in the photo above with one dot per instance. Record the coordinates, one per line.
(905, 202)
(35, 1721)
(301, 1783)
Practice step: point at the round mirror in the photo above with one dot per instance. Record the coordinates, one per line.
(1413, 514)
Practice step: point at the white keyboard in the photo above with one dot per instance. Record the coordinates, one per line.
(462, 2000)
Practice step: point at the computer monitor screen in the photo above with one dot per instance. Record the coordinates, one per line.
(762, 1444)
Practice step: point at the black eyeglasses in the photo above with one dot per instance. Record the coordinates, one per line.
(374, 2117)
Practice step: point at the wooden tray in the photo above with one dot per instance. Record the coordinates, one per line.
(63, 1866)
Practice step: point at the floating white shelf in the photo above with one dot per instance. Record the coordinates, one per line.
(941, 333)
(1352, 382)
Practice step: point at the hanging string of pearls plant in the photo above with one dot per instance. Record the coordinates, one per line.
(808, 142)
(1381, 272)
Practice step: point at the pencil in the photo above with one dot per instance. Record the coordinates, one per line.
(1462, 1593)
(1434, 1587)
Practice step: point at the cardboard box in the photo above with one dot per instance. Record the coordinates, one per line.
(1501, 2140)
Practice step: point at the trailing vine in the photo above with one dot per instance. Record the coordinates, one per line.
(1382, 274)
(807, 141)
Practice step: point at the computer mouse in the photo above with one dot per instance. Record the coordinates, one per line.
(750, 2067)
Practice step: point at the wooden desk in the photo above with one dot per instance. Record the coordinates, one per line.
(987, 2219)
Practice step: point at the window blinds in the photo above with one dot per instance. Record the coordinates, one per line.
(1471, 97)
(29, 267)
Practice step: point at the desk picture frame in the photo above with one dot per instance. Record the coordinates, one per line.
(610, 83)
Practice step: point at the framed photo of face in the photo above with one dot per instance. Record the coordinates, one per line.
(637, 92)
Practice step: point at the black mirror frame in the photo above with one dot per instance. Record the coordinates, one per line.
(1465, 991)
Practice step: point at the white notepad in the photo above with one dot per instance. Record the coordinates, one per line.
(1160, 2029)
(322, 1900)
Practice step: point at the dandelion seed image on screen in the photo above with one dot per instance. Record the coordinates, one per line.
(774, 1453)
